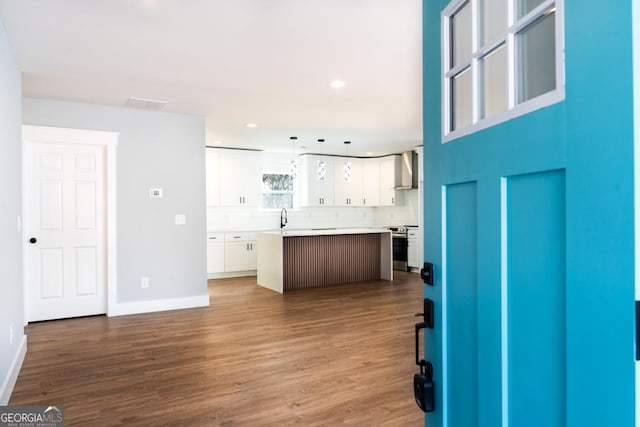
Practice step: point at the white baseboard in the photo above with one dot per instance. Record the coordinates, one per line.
(232, 274)
(12, 376)
(122, 309)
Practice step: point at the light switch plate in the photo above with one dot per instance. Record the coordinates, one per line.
(181, 219)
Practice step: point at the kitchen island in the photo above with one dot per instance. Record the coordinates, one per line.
(299, 259)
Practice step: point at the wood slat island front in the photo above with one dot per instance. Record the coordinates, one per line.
(300, 259)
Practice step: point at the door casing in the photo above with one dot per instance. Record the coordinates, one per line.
(109, 140)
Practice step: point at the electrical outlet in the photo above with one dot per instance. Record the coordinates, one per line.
(144, 282)
(181, 219)
(11, 334)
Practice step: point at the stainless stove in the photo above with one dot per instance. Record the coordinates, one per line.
(400, 246)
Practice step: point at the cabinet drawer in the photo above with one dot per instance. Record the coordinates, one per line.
(215, 237)
(412, 234)
(236, 237)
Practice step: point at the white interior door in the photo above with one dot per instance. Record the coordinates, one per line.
(65, 227)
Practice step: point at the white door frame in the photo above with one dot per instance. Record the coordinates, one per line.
(108, 140)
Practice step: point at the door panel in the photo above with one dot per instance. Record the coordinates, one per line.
(86, 268)
(51, 273)
(85, 205)
(51, 204)
(461, 282)
(535, 218)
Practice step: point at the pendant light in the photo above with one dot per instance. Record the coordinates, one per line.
(347, 164)
(293, 165)
(322, 168)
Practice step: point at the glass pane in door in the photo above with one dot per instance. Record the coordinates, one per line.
(494, 19)
(461, 36)
(494, 82)
(461, 100)
(525, 6)
(536, 56)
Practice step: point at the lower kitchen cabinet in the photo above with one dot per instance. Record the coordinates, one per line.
(215, 253)
(240, 252)
(413, 249)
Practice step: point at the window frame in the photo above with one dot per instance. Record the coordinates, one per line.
(293, 192)
(508, 39)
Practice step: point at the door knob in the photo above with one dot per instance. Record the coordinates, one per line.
(33, 240)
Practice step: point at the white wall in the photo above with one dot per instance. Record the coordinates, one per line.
(11, 300)
(242, 218)
(155, 149)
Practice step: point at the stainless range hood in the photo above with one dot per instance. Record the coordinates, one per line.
(409, 176)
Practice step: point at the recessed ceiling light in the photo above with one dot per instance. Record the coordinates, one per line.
(337, 84)
(251, 125)
(217, 142)
(368, 153)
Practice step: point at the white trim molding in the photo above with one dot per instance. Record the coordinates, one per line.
(109, 140)
(12, 376)
(139, 307)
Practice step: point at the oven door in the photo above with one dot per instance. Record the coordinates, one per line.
(400, 245)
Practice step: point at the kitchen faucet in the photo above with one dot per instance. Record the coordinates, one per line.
(283, 218)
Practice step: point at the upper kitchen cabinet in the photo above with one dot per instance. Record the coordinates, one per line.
(390, 177)
(213, 174)
(242, 174)
(347, 187)
(370, 182)
(315, 190)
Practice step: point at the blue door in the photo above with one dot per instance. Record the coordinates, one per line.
(528, 159)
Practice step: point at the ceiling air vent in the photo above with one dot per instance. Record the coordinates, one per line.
(146, 104)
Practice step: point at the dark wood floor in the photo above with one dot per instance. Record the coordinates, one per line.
(330, 357)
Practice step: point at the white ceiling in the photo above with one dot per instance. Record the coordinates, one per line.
(235, 62)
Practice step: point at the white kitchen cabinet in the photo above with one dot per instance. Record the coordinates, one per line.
(390, 176)
(315, 192)
(413, 248)
(253, 254)
(240, 252)
(347, 193)
(213, 177)
(240, 177)
(370, 182)
(215, 253)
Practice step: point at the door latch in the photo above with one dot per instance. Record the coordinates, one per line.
(426, 273)
(423, 388)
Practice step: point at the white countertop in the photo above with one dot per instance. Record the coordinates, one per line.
(325, 231)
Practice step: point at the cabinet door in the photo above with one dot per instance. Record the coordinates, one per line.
(315, 192)
(371, 182)
(213, 181)
(215, 257)
(251, 166)
(347, 193)
(235, 256)
(240, 175)
(390, 169)
(412, 253)
(253, 255)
